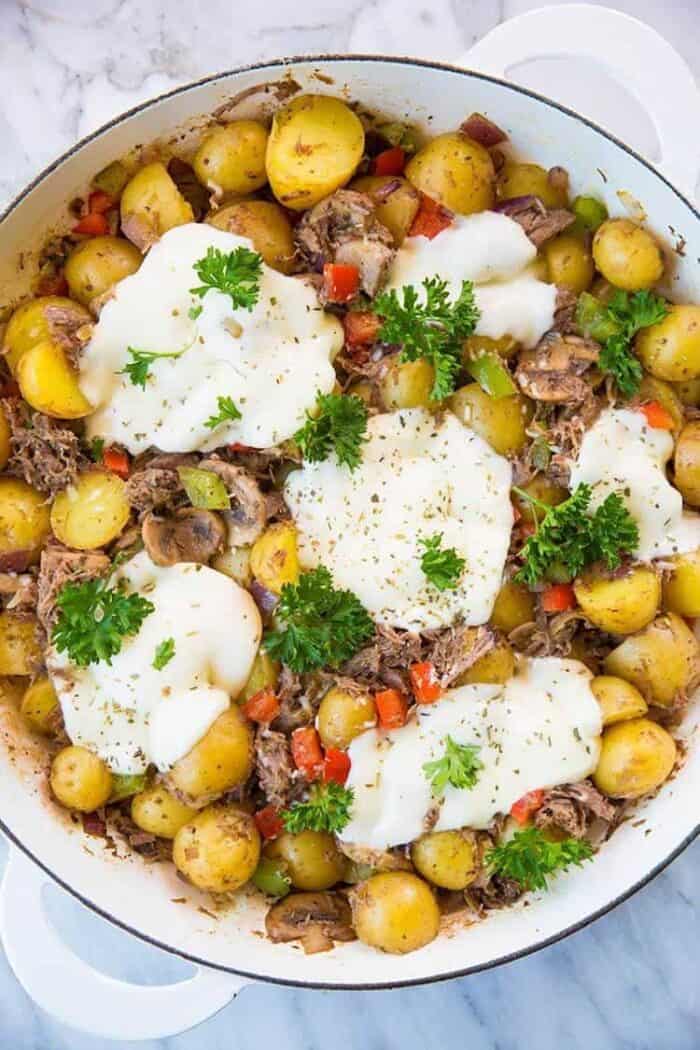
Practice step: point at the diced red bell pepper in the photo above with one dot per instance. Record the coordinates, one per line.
(392, 708)
(340, 282)
(262, 706)
(336, 765)
(431, 219)
(94, 224)
(268, 822)
(116, 461)
(390, 162)
(523, 810)
(558, 598)
(10, 388)
(238, 447)
(307, 753)
(424, 682)
(100, 202)
(53, 284)
(658, 417)
(361, 327)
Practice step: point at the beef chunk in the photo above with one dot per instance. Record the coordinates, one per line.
(59, 566)
(45, 453)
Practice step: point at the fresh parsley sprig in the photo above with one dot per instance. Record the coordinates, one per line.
(138, 369)
(94, 618)
(339, 425)
(442, 566)
(319, 625)
(326, 809)
(164, 653)
(228, 410)
(529, 858)
(430, 327)
(236, 274)
(614, 325)
(569, 538)
(459, 766)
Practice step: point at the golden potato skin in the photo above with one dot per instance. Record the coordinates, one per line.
(29, 325)
(524, 180)
(671, 349)
(274, 558)
(232, 158)
(263, 675)
(235, 563)
(395, 211)
(681, 589)
(343, 715)
(50, 384)
(158, 812)
(446, 858)
(152, 202)
(456, 171)
(543, 490)
(21, 652)
(635, 758)
(312, 859)
(514, 606)
(395, 912)
(619, 604)
(619, 700)
(627, 255)
(502, 421)
(407, 384)
(688, 392)
(24, 519)
(265, 224)
(39, 706)
(80, 779)
(653, 389)
(221, 760)
(218, 850)
(493, 668)
(97, 264)
(686, 462)
(660, 660)
(92, 512)
(569, 262)
(315, 145)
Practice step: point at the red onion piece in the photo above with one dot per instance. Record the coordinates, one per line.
(482, 130)
(265, 600)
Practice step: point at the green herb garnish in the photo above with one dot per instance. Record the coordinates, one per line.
(235, 273)
(430, 327)
(94, 618)
(319, 625)
(528, 858)
(164, 653)
(326, 809)
(97, 447)
(138, 368)
(339, 426)
(614, 325)
(228, 411)
(459, 766)
(442, 566)
(194, 312)
(204, 488)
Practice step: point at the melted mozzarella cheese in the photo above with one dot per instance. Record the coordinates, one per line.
(272, 360)
(419, 475)
(540, 729)
(131, 714)
(493, 252)
(622, 454)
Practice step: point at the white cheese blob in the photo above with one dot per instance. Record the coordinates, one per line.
(493, 252)
(420, 475)
(622, 454)
(131, 714)
(540, 729)
(271, 361)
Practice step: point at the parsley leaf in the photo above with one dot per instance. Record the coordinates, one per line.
(164, 653)
(339, 425)
(194, 312)
(443, 567)
(459, 767)
(528, 858)
(320, 626)
(137, 369)
(235, 273)
(227, 411)
(615, 325)
(326, 809)
(430, 327)
(93, 618)
(97, 447)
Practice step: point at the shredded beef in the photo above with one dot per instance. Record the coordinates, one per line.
(59, 566)
(155, 484)
(20, 590)
(386, 660)
(547, 637)
(539, 223)
(150, 846)
(454, 650)
(565, 311)
(298, 702)
(45, 453)
(573, 807)
(274, 766)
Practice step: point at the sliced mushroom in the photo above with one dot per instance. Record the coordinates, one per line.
(191, 535)
(553, 371)
(247, 516)
(315, 919)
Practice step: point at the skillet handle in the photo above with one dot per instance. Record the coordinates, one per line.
(632, 53)
(81, 997)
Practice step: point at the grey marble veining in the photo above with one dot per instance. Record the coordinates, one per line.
(630, 981)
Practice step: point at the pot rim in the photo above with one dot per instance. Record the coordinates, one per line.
(14, 839)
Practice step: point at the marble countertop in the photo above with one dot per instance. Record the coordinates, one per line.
(629, 982)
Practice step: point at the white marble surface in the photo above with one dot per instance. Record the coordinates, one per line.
(629, 982)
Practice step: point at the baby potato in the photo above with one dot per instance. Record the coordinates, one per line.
(671, 349)
(80, 779)
(92, 512)
(652, 389)
(151, 204)
(686, 462)
(97, 264)
(30, 325)
(514, 606)
(343, 715)
(456, 171)
(315, 144)
(502, 421)
(681, 589)
(476, 345)
(274, 558)
(263, 675)
(524, 180)
(618, 699)
(493, 668)
(446, 858)
(569, 262)
(395, 912)
(24, 520)
(158, 812)
(688, 393)
(232, 158)
(619, 604)
(50, 384)
(265, 224)
(39, 705)
(543, 490)
(20, 650)
(635, 758)
(312, 859)
(627, 255)
(395, 211)
(661, 660)
(218, 850)
(407, 384)
(235, 563)
(220, 761)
